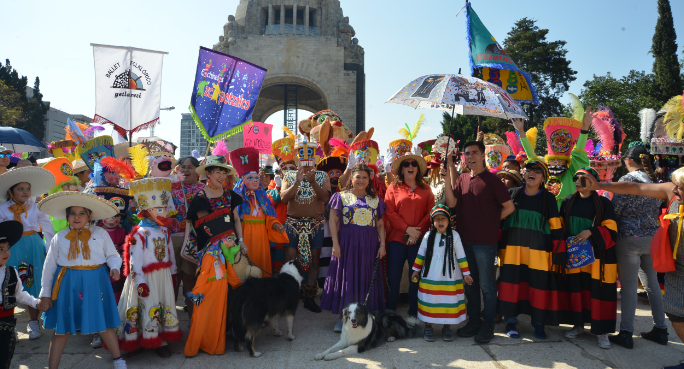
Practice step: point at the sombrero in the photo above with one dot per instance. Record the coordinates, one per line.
(11, 231)
(41, 180)
(55, 205)
(403, 150)
(215, 161)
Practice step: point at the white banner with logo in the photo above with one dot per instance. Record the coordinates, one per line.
(127, 87)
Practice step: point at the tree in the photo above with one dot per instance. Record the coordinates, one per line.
(464, 127)
(33, 111)
(11, 106)
(546, 62)
(625, 97)
(664, 49)
(36, 110)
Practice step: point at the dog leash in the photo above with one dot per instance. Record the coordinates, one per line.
(370, 287)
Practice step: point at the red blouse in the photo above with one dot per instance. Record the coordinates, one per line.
(407, 208)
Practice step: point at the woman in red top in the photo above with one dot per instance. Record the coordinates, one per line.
(407, 208)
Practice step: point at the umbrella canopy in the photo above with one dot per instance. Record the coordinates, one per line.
(19, 140)
(463, 95)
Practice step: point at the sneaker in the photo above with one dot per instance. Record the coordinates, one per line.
(485, 334)
(33, 330)
(470, 329)
(97, 341)
(428, 334)
(680, 366)
(512, 330)
(657, 335)
(603, 341)
(311, 305)
(338, 326)
(624, 339)
(574, 332)
(447, 334)
(539, 331)
(120, 363)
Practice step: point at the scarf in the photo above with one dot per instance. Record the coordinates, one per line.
(262, 201)
(74, 236)
(17, 209)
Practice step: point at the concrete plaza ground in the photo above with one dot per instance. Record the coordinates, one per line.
(314, 334)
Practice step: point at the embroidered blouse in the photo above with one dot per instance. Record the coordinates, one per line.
(178, 191)
(102, 250)
(352, 210)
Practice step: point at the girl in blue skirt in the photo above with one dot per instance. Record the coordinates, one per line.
(76, 283)
(17, 187)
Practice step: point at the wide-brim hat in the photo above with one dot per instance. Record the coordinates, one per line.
(396, 164)
(41, 180)
(332, 162)
(55, 205)
(215, 161)
(78, 166)
(121, 150)
(426, 147)
(120, 197)
(510, 174)
(11, 231)
(441, 143)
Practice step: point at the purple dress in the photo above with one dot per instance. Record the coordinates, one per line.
(349, 277)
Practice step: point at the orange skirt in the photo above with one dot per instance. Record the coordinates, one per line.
(255, 233)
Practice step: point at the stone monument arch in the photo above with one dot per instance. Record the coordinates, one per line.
(313, 59)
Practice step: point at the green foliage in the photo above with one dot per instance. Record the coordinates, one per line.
(625, 97)
(25, 113)
(11, 112)
(664, 49)
(464, 127)
(546, 62)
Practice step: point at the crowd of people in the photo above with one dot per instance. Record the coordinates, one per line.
(103, 238)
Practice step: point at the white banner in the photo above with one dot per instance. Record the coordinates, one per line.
(127, 87)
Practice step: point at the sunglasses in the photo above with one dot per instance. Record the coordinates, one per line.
(407, 164)
(5, 155)
(535, 170)
(577, 177)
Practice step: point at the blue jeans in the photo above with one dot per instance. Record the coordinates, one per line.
(481, 264)
(397, 254)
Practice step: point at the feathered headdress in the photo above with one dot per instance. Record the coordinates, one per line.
(92, 130)
(674, 118)
(647, 117)
(289, 133)
(74, 131)
(220, 149)
(577, 108)
(604, 131)
(139, 160)
(340, 147)
(514, 142)
(409, 134)
(119, 167)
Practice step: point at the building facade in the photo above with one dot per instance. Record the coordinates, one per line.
(191, 137)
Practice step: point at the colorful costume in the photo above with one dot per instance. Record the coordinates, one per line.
(257, 214)
(148, 301)
(589, 293)
(28, 255)
(565, 142)
(349, 277)
(12, 293)
(75, 275)
(528, 248)
(440, 293)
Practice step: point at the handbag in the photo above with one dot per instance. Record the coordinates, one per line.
(580, 253)
(661, 247)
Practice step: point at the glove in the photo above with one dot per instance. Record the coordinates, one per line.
(351, 160)
(143, 290)
(391, 155)
(278, 180)
(196, 299)
(417, 151)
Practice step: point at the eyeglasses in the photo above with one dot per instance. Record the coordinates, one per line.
(407, 164)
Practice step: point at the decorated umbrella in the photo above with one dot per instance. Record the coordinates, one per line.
(19, 140)
(459, 94)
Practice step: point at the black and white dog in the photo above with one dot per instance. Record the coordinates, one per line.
(362, 331)
(265, 299)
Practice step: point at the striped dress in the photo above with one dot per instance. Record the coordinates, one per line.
(585, 297)
(528, 251)
(440, 298)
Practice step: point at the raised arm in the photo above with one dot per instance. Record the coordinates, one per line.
(661, 191)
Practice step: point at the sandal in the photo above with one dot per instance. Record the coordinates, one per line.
(429, 334)
(447, 334)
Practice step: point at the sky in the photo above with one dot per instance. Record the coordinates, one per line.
(402, 40)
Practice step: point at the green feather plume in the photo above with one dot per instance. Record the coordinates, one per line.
(408, 133)
(577, 108)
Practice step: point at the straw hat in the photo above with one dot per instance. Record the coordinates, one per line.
(41, 180)
(78, 166)
(403, 150)
(55, 205)
(215, 161)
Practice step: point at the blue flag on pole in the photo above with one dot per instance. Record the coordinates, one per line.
(224, 94)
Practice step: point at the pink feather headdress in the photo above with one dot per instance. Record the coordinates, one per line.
(220, 149)
(514, 142)
(604, 131)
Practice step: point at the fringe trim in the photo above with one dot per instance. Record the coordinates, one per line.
(127, 250)
(95, 142)
(151, 343)
(562, 122)
(219, 137)
(98, 119)
(157, 266)
(172, 336)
